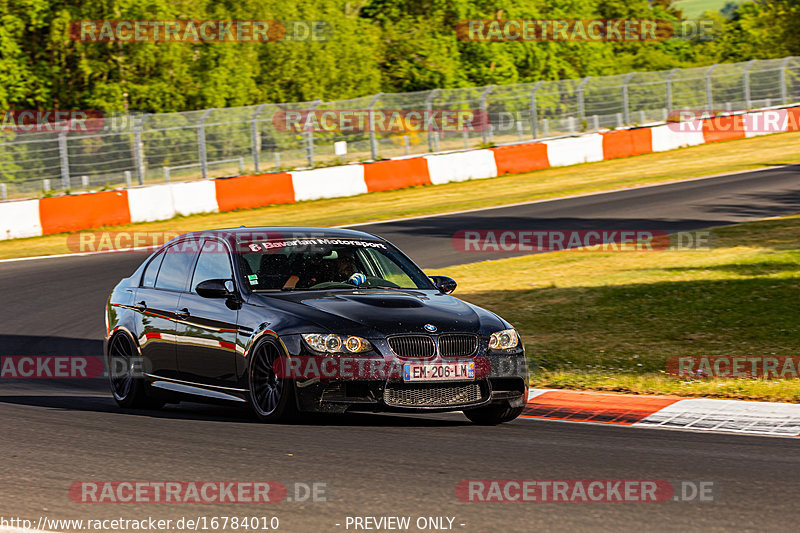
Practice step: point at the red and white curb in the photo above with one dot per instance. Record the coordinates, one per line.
(667, 412)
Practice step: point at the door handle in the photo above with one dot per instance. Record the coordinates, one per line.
(183, 313)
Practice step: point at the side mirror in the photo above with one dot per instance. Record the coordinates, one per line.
(215, 288)
(445, 284)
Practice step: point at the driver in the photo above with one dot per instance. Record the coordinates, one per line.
(340, 271)
(343, 269)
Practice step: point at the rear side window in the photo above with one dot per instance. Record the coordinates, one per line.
(150, 273)
(212, 264)
(177, 266)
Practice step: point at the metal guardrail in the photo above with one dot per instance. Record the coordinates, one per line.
(168, 169)
(249, 139)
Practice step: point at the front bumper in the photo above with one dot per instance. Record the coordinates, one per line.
(505, 382)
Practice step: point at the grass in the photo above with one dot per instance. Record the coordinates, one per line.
(704, 160)
(609, 321)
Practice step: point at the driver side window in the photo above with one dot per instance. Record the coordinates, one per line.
(213, 263)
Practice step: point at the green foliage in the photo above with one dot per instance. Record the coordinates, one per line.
(376, 45)
(759, 30)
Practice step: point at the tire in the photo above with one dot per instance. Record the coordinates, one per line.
(128, 390)
(272, 398)
(493, 415)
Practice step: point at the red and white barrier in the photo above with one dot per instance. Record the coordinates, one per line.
(191, 197)
(151, 203)
(766, 122)
(20, 219)
(31, 218)
(331, 182)
(575, 150)
(461, 166)
(670, 137)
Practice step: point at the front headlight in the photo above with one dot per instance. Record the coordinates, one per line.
(332, 343)
(503, 340)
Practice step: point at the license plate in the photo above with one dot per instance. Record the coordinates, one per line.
(438, 371)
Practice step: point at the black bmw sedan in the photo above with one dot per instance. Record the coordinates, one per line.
(292, 320)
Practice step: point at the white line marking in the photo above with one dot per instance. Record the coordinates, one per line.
(558, 198)
(432, 215)
(77, 254)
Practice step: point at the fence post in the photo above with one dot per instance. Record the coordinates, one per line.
(428, 109)
(709, 94)
(485, 110)
(784, 92)
(373, 140)
(534, 111)
(201, 142)
(254, 139)
(747, 102)
(64, 159)
(138, 157)
(626, 112)
(310, 136)
(127, 175)
(669, 89)
(581, 106)
(3, 192)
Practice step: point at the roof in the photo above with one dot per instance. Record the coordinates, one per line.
(285, 232)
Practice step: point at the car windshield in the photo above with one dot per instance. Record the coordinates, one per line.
(326, 263)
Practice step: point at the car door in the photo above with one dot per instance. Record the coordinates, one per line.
(157, 298)
(207, 329)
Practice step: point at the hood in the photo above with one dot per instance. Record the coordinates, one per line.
(374, 313)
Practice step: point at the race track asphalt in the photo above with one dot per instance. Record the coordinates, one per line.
(54, 434)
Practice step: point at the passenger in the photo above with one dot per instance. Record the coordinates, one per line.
(342, 270)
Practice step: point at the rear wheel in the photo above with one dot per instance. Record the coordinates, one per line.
(128, 388)
(272, 398)
(493, 414)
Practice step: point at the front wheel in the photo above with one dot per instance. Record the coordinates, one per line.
(127, 387)
(493, 415)
(272, 397)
